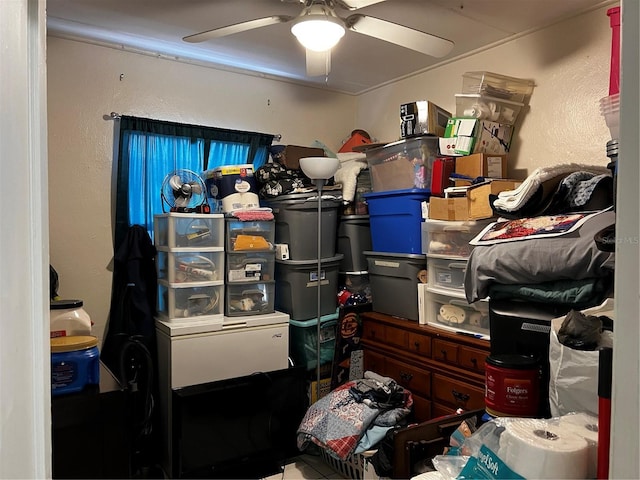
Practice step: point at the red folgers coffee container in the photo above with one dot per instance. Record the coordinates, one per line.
(512, 386)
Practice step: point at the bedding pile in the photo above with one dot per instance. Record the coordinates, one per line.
(355, 416)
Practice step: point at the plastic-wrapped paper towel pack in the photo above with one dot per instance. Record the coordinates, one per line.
(527, 448)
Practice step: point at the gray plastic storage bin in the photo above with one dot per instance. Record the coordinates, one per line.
(296, 217)
(354, 237)
(297, 287)
(394, 279)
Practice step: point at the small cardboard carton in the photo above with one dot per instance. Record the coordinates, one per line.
(481, 165)
(291, 155)
(472, 135)
(473, 206)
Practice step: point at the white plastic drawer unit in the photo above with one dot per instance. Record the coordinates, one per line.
(188, 301)
(446, 274)
(251, 267)
(250, 235)
(187, 266)
(451, 238)
(457, 315)
(188, 230)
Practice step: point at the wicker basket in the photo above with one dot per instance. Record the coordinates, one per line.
(356, 467)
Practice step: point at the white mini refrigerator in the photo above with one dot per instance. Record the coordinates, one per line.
(194, 353)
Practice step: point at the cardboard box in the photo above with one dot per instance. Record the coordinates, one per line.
(478, 136)
(474, 206)
(481, 165)
(422, 118)
(291, 155)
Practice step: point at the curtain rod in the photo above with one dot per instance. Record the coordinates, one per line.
(116, 116)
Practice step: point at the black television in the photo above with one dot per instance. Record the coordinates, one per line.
(242, 427)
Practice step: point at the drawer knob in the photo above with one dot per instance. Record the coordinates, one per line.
(406, 376)
(444, 353)
(474, 361)
(459, 396)
(417, 345)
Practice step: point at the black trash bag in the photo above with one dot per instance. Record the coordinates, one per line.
(580, 331)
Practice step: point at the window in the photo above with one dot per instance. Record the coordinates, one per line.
(151, 149)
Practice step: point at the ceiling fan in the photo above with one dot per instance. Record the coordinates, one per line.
(318, 28)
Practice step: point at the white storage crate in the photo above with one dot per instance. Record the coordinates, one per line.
(190, 301)
(451, 238)
(190, 230)
(188, 266)
(250, 235)
(251, 266)
(250, 298)
(356, 467)
(446, 274)
(457, 315)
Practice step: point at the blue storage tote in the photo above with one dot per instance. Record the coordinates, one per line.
(303, 338)
(395, 219)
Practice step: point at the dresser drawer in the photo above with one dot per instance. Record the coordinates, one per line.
(472, 359)
(419, 344)
(455, 393)
(373, 331)
(444, 351)
(412, 378)
(396, 337)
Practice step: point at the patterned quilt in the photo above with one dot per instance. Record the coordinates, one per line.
(338, 420)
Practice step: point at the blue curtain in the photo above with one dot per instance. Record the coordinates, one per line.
(149, 150)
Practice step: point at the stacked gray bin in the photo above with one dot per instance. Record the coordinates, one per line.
(354, 238)
(296, 219)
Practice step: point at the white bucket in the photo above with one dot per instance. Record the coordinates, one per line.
(67, 318)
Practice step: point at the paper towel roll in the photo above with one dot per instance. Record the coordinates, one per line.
(543, 450)
(586, 426)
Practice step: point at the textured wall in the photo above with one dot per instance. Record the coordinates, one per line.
(85, 85)
(569, 63)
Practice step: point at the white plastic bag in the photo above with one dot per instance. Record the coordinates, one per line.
(573, 374)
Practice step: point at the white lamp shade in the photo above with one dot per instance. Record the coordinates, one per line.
(319, 168)
(318, 33)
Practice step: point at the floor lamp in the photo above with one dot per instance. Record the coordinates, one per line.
(319, 169)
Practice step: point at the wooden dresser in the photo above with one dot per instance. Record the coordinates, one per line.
(443, 370)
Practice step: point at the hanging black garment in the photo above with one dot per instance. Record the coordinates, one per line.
(129, 347)
(133, 298)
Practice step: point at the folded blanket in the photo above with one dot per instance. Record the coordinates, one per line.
(581, 294)
(511, 200)
(573, 255)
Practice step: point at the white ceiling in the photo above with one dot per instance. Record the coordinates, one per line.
(359, 63)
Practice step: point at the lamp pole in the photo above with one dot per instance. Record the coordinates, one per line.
(319, 184)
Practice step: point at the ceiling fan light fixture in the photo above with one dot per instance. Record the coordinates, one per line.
(318, 28)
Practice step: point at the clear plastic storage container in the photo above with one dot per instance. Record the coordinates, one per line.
(482, 107)
(189, 230)
(189, 266)
(496, 85)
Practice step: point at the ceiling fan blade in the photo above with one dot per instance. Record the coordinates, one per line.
(318, 63)
(400, 35)
(237, 28)
(356, 4)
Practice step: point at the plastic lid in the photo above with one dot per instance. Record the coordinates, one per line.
(72, 343)
(516, 362)
(65, 304)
